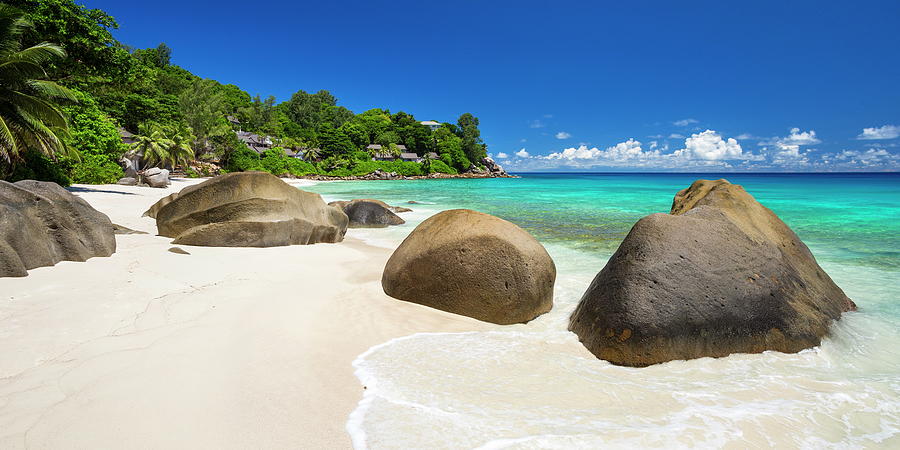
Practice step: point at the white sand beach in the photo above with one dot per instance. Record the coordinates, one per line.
(222, 348)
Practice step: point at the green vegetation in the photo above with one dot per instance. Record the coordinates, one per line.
(30, 114)
(77, 93)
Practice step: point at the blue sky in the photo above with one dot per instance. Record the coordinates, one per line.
(640, 85)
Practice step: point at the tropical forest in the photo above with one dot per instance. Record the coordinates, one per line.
(74, 101)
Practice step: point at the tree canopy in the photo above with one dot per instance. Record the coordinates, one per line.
(102, 86)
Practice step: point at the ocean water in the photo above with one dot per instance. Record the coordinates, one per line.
(535, 386)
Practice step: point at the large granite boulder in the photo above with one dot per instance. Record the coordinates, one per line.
(720, 274)
(247, 209)
(369, 213)
(473, 264)
(42, 224)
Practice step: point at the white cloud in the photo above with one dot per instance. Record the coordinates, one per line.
(801, 138)
(790, 156)
(746, 136)
(885, 132)
(676, 136)
(870, 157)
(791, 143)
(629, 150)
(522, 153)
(563, 135)
(685, 122)
(709, 146)
(502, 155)
(536, 124)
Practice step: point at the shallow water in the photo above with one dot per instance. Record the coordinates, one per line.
(535, 385)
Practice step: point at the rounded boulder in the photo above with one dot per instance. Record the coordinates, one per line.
(473, 264)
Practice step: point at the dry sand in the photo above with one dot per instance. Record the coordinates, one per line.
(222, 348)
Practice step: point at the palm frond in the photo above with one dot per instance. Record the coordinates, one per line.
(8, 146)
(38, 109)
(52, 90)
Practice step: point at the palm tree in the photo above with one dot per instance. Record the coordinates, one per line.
(374, 152)
(426, 162)
(312, 154)
(155, 147)
(394, 150)
(30, 117)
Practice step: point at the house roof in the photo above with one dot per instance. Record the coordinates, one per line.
(429, 122)
(253, 138)
(401, 147)
(433, 155)
(409, 156)
(233, 119)
(374, 147)
(125, 133)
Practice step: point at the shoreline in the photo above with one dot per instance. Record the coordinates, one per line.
(433, 176)
(370, 177)
(225, 347)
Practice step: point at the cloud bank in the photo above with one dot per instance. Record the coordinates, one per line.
(710, 150)
(885, 132)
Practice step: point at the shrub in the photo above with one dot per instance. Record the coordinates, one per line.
(404, 168)
(298, 167)
(95, 137)
(36, 166)
(243, 160)
(438, 166)
(360, 156)
(95, 169)
(274, 161)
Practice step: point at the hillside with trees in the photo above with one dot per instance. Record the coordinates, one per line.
(81, 90)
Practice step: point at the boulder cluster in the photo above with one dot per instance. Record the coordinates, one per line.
(152, 177)
(719, 274)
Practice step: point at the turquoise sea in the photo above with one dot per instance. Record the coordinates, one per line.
(533, 385)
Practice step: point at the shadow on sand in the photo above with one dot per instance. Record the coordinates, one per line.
(87, 189)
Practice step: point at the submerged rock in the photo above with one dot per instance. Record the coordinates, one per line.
(370, 213)
(473, 264)
(720, 274)
(42, 224)
(247, 209)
